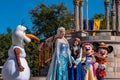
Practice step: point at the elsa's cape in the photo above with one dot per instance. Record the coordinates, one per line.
(52, 70)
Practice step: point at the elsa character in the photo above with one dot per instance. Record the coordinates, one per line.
(61, 59)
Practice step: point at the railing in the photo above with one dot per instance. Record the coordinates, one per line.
(0, 72)
(46, 49)
(98, 32)
(45, 52)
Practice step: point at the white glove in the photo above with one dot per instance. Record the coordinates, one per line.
(101, 66)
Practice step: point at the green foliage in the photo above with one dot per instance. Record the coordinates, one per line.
(9, 30)
(102, 24)
(47, 19)
(98, 16)
(5, 42)
(32, 57)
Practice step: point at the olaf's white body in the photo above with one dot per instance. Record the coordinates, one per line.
(10, 68)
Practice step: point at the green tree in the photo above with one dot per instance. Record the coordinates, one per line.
(32, 57)
(46, 19)
(5, 43)
(98, 16)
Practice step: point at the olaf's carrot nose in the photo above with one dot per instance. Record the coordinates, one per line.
(31, 36)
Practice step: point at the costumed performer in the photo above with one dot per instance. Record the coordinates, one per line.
(61, 59)
(101, 56)
(89, 62)
(16, 66)
(76, 72)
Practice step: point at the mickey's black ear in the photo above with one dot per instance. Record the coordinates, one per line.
(110, 49)
(95, 46)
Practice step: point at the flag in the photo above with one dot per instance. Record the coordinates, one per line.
(96, 25)
(84, 24)
(91, 24)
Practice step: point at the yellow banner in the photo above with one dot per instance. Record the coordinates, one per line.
(96, 25)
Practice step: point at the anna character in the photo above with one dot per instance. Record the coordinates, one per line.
(75, 72)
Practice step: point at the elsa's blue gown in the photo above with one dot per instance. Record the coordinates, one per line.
(76, 73)
(62, 54)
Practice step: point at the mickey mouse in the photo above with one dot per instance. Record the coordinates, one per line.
(101, 55)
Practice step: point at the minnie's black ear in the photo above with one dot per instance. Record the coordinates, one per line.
(110, 49)
(95, 46)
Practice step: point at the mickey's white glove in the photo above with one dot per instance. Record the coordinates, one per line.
(101, 66)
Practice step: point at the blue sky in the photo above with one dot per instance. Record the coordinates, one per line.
(13, 11)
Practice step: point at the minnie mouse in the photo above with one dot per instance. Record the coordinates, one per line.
(89, 62)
